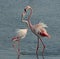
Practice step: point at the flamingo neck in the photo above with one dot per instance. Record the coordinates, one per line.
(29, 22)
(23, 20)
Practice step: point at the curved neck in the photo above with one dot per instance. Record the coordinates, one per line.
(22, 19)
(29, 22)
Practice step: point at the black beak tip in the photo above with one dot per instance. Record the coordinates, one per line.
(25, 10)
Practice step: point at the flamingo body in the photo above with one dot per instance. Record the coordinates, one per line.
(21, 33)
(39, 30)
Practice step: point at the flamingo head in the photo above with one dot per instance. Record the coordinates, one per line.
(27, 8)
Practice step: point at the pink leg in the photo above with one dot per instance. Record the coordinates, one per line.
(37, 49)
(18, 51)
(14, 39)
(43, 48)
(17, 39)
(18, 54)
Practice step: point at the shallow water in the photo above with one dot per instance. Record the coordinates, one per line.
(47, 11)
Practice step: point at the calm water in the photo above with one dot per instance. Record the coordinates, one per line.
(47, 11)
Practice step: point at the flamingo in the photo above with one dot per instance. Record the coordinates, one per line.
(38, 29)
(21, 33)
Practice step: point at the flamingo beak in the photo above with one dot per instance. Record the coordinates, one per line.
(25, 10)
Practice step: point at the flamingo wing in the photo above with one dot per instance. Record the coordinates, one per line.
(42, 24)
(21, 33)
(40, 27)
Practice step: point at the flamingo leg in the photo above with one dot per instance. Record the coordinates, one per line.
(37, 48)
(14, 44)
(18, 50)
(18, 54)
(43, 48)
(17, 39)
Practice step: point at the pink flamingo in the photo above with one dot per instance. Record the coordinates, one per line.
(38, 29)
(21, 33)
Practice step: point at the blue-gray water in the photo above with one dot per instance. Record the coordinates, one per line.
(47, 11)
